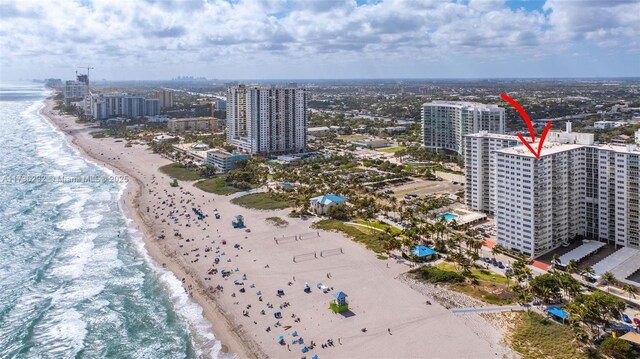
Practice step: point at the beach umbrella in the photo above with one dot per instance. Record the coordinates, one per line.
(294, 334)
(251, 285)
(315, 356)
(259, 293)
(305, 349)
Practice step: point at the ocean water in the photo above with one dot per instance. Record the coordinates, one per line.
(75, 279)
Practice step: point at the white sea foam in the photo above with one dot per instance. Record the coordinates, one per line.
(201, 332)
(76, 259)
(62, 330)
(71, 224)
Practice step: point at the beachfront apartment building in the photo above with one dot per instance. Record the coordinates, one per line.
(267, 120)
(75, 91)
(107, 106)
(189, 124)
(445, 123)
(480, 168)
(224, 161)
(576, 187)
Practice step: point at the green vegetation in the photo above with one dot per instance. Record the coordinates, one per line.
(181, 172)
(437, 275)
(481, 284)
(352, 137)
(217, 185)
(377, 242)
(100, 134)
(379, 225)
(617, 348)
(538, 337)
(262, 201)
(277, 221)
(392, 149)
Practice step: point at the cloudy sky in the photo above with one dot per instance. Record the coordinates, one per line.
(278, 39)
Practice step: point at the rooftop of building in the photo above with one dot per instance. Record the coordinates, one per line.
(463, 104)
(486, 134)
(224, 154)
(550, 148)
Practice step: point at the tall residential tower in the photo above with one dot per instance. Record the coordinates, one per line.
(445, 123)
(267, 120)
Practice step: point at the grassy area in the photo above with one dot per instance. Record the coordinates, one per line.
(352, 137)
(181, 172)
(378, 225)
(354, 232)
(277, 221)
(538, 337)
(415, 189)
(217, 185)
(262, 201)
(480, 284)
(100, 134)
(392, 149)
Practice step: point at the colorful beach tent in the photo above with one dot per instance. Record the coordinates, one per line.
(422, 251)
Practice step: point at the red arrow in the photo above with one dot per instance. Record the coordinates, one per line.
(525, 116)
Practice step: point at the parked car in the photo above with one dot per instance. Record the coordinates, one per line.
(565, 244)
(487, 260)
(500, 265)
(626, 319)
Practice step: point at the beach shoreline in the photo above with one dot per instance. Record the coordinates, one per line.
(387, 318)
(222, 328)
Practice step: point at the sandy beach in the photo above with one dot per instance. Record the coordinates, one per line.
(241, 303)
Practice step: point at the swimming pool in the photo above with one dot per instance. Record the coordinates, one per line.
(447, 216)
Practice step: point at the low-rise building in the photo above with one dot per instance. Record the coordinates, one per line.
(189, 124)
(321, 204)
(163, 138)
(318, 131)
(606, 125)
(395, 129)
(224, 161)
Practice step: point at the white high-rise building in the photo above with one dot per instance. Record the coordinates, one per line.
(445, 123)
(106, 106)
(480, 168)
(267, 120)
(574, 188)
(75, 91)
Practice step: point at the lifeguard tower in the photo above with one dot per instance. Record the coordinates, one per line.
(238, 222)
(339, 303)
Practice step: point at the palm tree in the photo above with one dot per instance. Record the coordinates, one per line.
(555, 261)
(588, 272)
(572, 266)
(631, 290)
(609, 278)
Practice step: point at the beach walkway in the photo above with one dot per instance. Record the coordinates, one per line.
(513, 308)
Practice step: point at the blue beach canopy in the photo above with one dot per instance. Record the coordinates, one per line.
(422, 251)
(340, 295)
(558, 312)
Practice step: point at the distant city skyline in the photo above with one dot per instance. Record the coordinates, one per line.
(319, 39)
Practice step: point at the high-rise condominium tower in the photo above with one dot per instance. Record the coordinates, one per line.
(267, 120)
(576, 187)
(445, 123)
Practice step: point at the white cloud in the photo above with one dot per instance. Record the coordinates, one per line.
(217, 31)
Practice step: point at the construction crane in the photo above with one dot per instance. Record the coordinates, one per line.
(88, 69)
